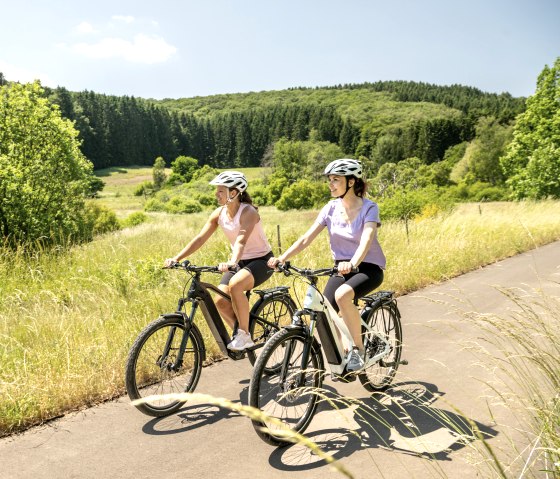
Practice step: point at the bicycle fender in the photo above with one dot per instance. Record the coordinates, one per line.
(182, 316)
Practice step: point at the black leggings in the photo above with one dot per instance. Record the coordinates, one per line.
(256, 266)
(368, 277)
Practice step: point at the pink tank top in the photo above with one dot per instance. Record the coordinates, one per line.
(257, 245)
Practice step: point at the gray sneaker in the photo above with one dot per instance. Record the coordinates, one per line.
(355, 361)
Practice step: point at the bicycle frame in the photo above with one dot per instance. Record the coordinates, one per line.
(199, 295)
(326, 321)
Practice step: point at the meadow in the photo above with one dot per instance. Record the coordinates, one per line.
(68, 318)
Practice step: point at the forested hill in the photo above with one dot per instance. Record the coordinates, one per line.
(394, 120)
(469, 100)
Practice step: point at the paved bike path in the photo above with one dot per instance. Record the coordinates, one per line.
(387, 438)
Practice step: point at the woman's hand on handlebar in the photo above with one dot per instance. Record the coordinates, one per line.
(169, 262)
(345, 267)
(229, 266)
(273, 262)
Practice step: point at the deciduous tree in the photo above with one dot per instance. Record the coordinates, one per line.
(43, 175)
(532, 162)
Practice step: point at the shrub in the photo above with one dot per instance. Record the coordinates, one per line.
(259, 194)
(204, 173)
(204, 199)
(183, 168)
(145, 188)
(275, 189)
(179, 204)
(487, 192)
(154, 205)
(99, 220)
(134, 219)
(405, 204)
(303, 194)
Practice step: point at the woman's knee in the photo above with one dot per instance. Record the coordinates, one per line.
(236, 287)
(241, 283)
(344, 295)
(220, 300)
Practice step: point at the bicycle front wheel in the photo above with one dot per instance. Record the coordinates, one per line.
(287, 395)
(154, 369)
(384, 321)
(273, 314)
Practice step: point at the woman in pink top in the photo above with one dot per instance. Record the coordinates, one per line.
(352, 223)
(240, 221)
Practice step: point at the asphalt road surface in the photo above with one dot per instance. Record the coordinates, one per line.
(415, 431)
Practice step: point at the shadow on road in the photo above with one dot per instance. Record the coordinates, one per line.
(187, 419)
(193, 416)
(402, 419)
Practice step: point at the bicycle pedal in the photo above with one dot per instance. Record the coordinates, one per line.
(236, 355)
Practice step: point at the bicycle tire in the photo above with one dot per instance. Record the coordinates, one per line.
(385, 319)
(275, 309)
(283, 399)
(145, 377)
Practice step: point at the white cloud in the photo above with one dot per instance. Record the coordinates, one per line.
(143, 48)
(123, 18)
(23, 75)
(84, 27)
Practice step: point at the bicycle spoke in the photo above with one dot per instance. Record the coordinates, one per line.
(155, 369)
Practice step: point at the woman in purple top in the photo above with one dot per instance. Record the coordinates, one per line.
(352, 223)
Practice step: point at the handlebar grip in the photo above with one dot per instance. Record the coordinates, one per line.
(355, 269)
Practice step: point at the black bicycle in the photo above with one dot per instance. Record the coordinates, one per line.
(168, 354)
(289, 372)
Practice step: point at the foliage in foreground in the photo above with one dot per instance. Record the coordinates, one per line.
(523, 352)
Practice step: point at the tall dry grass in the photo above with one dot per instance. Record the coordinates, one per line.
(67, 319)
(521, 349)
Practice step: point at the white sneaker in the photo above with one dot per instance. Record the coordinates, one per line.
(355, 361)
(241, 341)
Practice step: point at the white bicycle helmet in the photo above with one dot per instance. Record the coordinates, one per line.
(344, 167)
(231, 179)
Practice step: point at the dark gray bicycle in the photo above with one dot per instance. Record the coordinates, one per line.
(168, 354)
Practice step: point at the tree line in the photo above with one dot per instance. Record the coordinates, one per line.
(467, 99)
(120, 131)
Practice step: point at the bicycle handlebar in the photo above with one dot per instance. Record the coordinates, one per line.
(187, 266)
(308, 273)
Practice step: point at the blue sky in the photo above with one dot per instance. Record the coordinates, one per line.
(185, 48)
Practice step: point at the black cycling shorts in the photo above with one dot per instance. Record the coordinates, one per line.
(368, 277)
(256, 266)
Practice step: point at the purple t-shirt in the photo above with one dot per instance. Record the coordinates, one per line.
(345, 237)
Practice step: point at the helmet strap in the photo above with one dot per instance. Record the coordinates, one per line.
(231, 198)
(347, 189)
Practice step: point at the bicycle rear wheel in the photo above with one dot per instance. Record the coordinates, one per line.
(384, 321)
(288, 393)
(277, 311)
(151, 368)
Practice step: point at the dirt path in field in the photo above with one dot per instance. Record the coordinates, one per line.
(412, 432)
